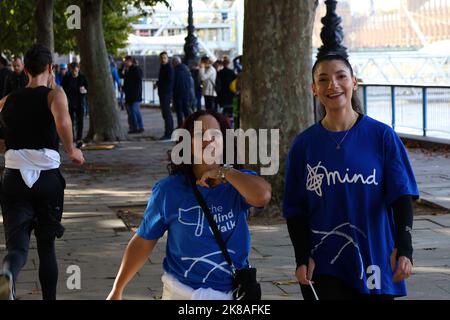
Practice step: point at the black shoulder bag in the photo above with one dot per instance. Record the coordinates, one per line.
(245, 286)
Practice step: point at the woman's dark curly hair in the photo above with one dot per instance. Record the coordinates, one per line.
(188, 125)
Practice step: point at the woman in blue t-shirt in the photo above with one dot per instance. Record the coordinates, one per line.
(194, 266)
(348, 197)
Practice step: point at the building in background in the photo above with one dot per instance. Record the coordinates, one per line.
(219, 28)
(390, 24)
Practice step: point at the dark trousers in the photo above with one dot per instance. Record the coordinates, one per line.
(134, 116)
(198, 99)
(77, 117)
(40, 209)
(164, 101)
(332, 288)
(210, 103)
(182, 109)
(85, 104)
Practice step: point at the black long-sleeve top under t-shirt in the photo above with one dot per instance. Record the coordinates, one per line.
(298, 228)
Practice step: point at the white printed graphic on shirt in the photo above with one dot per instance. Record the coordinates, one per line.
(199, 218)
(215, 266)
(194, 216)
(316, 174)
(340, 233)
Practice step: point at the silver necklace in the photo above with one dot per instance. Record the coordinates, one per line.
(338, 145)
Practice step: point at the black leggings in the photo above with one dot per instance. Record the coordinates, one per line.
(39, 208)
(48, 267)
(332, 288)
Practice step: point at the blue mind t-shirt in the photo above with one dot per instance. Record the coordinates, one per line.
(193, 256)
(346, 194)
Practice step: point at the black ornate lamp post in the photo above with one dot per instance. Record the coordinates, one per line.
(191, 44)
(332, 34)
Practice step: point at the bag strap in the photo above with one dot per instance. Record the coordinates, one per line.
(213, 225)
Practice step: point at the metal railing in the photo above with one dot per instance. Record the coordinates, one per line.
(412, 109)
(149, 91)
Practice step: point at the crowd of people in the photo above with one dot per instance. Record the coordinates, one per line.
(181, 88)
(185, 86)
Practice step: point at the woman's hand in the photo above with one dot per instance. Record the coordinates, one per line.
(402, 267)
(210, 178)
(304, 273)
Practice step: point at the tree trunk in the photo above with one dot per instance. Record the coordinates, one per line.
(276, 87)
(44, 23)
(104, 117)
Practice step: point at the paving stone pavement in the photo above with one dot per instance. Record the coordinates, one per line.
(95, 237)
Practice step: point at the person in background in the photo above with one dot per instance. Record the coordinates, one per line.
(115, 74)
(192, 97)
(224, 95)
(218, 65)
(61, 74)
(181, 90)
(165, 92)
(16, 80)
(237, 64)
(75, 86)
(132, 87)
(208, 76)
(195, 72)
(5, 71)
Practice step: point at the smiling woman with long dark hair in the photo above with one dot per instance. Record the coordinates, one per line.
(348, 197)
(194, 267)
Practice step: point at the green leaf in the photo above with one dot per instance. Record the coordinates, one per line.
(17, 18)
